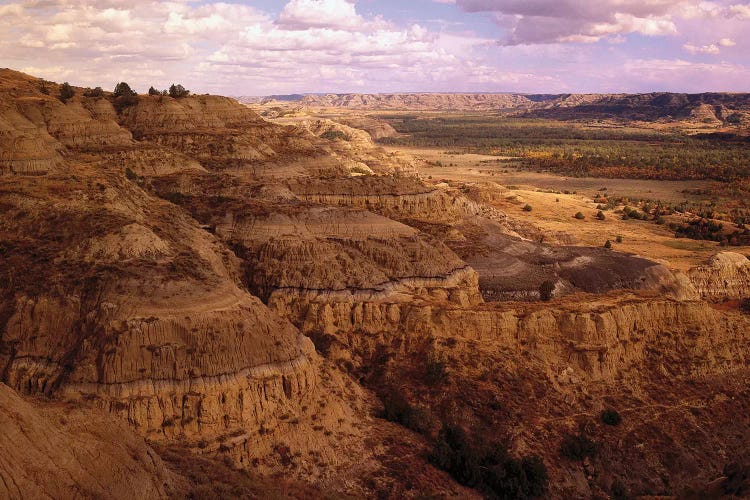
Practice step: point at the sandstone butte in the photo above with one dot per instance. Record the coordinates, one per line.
(197, 302)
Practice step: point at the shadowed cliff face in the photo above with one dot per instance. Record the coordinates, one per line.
(171, 265)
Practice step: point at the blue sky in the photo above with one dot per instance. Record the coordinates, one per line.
(284, 46)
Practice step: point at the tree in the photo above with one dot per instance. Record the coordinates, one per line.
(122, 89)
(611, 417)
(178, 91)
(66, 92)
(153, 91)
(95, 92)
(124, 96)
(546, 289)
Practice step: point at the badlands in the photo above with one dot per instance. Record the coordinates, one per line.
(200, 302)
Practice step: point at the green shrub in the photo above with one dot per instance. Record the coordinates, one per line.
(527, 208)
(577, 447)
(333, 135)
(177, 91)
(153, 91)
(95, 92)
(618, 491)
(579, 216)
(131, 176)
(618, 239)
(436, 370)
(608, 244)
(546, 289)
(396, 408)
(66, 92)
(489, 468)
(611, 417)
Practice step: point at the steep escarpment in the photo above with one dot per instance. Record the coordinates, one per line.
(531, 375)
(725, 276)
(128, 302)
(717, 109)
(115, 299)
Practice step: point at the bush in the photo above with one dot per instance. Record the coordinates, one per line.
(131, 176)
(618, 491)
(608, 244)
(397, 409)
(579, 216)
(577, 447)
(177, 91)
(332, 135)
(745, 305)
(124, 97)
(600, 215)
(122, 89)
(95, 92)
(489, 468)
(611, 417)
(618, 239)
(153, 91)
(436, 370)
(527, 208)
(514, 478)
(546, 289)
(66, 92)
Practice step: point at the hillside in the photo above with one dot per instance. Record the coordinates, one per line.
(710, 108)
(242, 298)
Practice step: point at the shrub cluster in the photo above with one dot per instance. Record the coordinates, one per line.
(124, 97)
(332, 135)
(546, 289)
(66, 92)
(489, 468)
(611, 417)
(577, 446)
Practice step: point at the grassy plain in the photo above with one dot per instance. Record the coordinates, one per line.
(553, 210)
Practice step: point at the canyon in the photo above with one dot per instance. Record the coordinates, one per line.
(187, 286)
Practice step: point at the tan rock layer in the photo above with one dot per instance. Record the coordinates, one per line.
(726, 275)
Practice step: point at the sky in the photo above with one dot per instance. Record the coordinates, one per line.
(269, 47)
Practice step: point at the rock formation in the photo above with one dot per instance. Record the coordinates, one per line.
(244, 290)
(725, 276)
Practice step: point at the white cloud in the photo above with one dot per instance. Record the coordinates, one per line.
(702, 49)
(740, 11)
(336, 14)
(555, 21)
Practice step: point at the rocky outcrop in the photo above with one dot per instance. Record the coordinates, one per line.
(73, 125)
(725, 276)
(463, 102)
(378, 129)
(131, 306)
(57, 451)
(24, 147)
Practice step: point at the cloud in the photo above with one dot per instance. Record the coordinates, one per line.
(337, 14)
(740, 11)
(702, 49)
(556, 21)
(335, 45)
